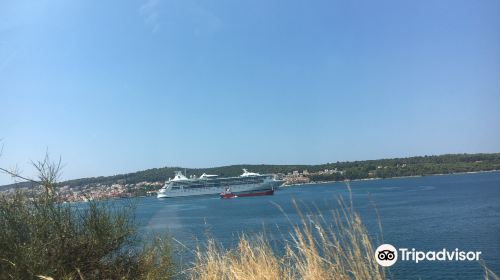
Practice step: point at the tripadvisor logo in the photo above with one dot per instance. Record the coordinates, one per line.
(387, 255)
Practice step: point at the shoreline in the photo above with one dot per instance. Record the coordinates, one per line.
(397, 177)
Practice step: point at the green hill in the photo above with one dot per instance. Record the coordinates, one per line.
(381, 168)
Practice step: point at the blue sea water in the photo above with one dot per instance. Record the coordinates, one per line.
(426, 213)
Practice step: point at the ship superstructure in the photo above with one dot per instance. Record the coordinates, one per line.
(206, 184)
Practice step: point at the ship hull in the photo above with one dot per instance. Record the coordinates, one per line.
(217, 190)
(257, 193)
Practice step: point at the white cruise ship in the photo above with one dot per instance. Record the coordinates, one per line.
(180, 185)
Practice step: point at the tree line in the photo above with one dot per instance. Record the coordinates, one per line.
(381, 168)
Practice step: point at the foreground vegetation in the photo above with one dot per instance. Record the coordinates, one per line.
(320, 247)
(335, 246)
(44, 239)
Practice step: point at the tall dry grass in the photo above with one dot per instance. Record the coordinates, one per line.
(489, 274)
(336, 246)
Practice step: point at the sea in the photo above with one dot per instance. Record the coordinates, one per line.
(428, 213)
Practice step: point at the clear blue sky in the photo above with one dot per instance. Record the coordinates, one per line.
(119, 86)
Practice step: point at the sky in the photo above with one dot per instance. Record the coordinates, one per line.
(119, 86)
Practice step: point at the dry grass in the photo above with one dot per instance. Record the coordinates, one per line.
(333, 247)
(250, 260)
(488, 274)
(319, 247)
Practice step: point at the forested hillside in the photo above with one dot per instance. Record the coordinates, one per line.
(382, 168)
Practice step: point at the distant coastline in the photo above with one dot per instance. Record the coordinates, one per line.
(148, 182)
(389, 178)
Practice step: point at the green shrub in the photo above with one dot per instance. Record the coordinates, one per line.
(98, 241)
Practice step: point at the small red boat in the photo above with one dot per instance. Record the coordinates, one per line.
(228, 194)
